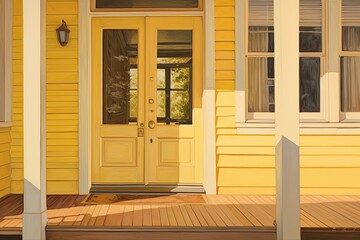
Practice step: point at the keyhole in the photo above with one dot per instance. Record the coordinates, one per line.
(151, 141)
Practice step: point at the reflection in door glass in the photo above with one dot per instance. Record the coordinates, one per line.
(174, 76)
(120, 76)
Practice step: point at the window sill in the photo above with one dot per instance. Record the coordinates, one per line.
(306, 128)
(5, 124)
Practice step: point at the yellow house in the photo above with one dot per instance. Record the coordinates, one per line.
(179, 97)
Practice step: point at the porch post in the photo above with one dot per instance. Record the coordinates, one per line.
(287, 119)
(34, 216)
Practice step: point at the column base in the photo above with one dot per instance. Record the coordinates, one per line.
(34, 226)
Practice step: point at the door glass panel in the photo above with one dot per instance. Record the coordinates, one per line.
(309, 84)
(174, 64)
(120, 76)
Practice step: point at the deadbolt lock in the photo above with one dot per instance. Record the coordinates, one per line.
(151, 101)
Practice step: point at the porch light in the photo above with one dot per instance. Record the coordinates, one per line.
(63, 34)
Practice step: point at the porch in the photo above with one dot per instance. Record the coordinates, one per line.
(218, 217)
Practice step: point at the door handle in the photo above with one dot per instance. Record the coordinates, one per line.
(151, 124)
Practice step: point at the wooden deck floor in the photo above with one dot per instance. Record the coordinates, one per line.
(230, 214)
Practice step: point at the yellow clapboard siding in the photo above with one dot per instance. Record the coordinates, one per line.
(62, 122)
(329, 141)
(62, 165)
(4, 158)
(225, 46)
(224, 12)
(225, 55)
(62, 174)
(4, 147)
(225, 85)
(62, 187)
(62, 142)
(226, 131)
(225, 65)
(224, 3)
(17, 174)
(329, 161)
(5, 192)
(257, 177)
(330, 177)
(225, 111)
(62, 77)
(246, 140)
(225, 122)
(55, 20)
(225, 75)
(225, 99)
(246, 161)
(17, 187)
(62, 98)
(224, 24)
(246, 150)
(5, 171)
(62, 159)
(62, 8)
(224, 36)
(247, 190)
(327, 151)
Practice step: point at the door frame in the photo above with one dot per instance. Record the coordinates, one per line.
(209, 147)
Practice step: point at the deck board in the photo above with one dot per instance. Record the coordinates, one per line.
(222, 212)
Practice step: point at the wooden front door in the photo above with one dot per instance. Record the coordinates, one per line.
(147, 100)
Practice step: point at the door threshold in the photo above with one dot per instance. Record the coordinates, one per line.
(146, 189)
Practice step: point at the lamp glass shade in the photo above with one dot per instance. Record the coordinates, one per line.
(63, 34)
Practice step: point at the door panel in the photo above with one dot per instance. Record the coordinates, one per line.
(117, 100)
(147, 100)
(174, 146)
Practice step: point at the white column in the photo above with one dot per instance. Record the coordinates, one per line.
(287, 119)
(34, 216)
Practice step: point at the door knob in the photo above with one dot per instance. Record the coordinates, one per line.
(151, 124)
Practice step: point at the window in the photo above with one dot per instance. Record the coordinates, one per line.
(259, 60)
(5, 61)
(350, 58)
(146, 5)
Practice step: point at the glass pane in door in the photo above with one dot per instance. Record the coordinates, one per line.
(174, 76)
(120, 74)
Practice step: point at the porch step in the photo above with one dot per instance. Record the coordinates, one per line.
(146, 189)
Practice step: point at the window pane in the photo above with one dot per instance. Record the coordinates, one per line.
(161, 77)
(309, 84)
(261, 90)
(147, 3)
(161, 104)
(180, 78)
(350, 84)
(310, 39)
(174, 63)
(261, 39)
(261, 26)
(180, 105)
(350, 25)
(119, 46)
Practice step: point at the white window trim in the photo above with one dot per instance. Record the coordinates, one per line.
(330, 120)
(6, 78)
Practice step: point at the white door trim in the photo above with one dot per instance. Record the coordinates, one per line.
(209, 156)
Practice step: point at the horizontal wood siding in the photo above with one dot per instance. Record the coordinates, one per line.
(62, 100)
(5, 167)
(246, 163)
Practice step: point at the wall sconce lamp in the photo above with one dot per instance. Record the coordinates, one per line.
(63, 34)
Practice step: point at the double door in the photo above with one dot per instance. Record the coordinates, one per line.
(146, 100)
